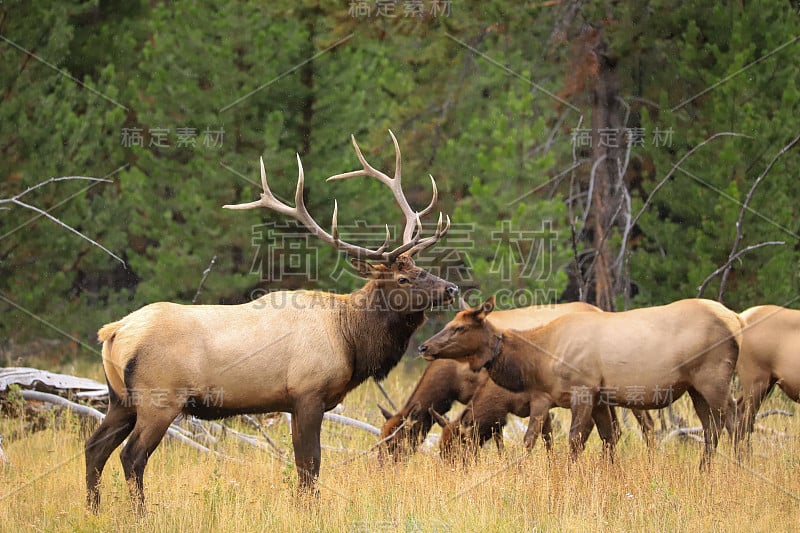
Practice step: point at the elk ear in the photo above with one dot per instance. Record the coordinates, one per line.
(483, 311)
(385, 412)
(440, 419)
(368, 270)
(404, 262)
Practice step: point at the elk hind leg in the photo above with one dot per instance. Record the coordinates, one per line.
(711, 419)
(116, 426)
(146, 436)
(647, 426)
(753, 394)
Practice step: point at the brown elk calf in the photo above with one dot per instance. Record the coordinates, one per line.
(294, 351)
(770, 356)
(587, 362)
(446, 381)
(487, 413)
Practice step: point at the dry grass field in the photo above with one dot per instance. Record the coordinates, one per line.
(42, 488)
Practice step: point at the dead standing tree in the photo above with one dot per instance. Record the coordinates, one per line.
(607, 151)
(598, 272)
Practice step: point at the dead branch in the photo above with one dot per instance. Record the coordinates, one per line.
(771, 431)
(726, 267)
(263, 433)
(385, 394)
(686, 433)
(347, 421)
(740, 221)
(666, 178)
(206, 272)
(16, 201)
(771, 412)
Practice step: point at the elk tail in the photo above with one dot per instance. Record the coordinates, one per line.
(113, 361)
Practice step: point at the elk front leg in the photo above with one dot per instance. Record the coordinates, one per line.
(538, 422)
(605, 418)
(581, 425)
(306, 427)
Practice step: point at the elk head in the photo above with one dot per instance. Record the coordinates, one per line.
(468, 336)
(459, 439)
(400, 434)
(397, 283)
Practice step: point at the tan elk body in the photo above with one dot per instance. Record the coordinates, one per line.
(587, 362)
(446, 381)
(770, 356)
(294, 351)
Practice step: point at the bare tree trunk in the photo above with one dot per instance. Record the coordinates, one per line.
(608, 140)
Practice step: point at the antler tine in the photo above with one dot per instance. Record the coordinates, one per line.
(395, 184)
(301, 214)
(335, 233)
(433, 199)
(397, 159)
(267, 199)
(367, 170)
(433, 239)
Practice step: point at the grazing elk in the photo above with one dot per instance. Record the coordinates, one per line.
(294, 351)
(446, 381)
(484, 418)
(587, 362)
(486, 415)
(770, 356)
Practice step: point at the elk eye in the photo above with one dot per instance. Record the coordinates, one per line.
(403, 280)
(458, 329)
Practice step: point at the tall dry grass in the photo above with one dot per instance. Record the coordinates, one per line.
(643, 490)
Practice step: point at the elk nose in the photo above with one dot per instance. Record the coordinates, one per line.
(422, 348)
(451, 289)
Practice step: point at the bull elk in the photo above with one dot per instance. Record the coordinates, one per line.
(446, 381)
(295, 351)
(587, 362)
(769, 357)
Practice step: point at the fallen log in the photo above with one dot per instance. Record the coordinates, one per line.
(44, 381)
(66, 391)
(84, 410)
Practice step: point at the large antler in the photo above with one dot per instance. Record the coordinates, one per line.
(411, 238)
(413, 227)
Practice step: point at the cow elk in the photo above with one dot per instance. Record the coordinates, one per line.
(294, 351)
(446, 381)
(588, 362)
(770, 356)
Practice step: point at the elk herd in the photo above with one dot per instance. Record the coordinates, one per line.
(302, 351)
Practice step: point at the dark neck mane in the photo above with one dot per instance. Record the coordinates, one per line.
(377, 335)
(508, 364)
